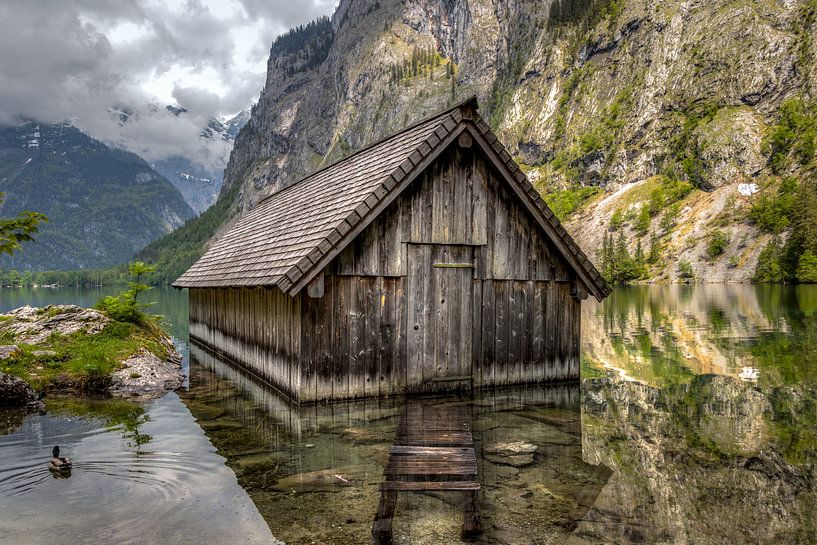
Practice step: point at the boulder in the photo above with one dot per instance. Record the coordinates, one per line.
(514, 453)
(34, 325)
(146, 375)
(15, 392)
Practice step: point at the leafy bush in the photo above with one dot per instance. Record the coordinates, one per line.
(685, 270)
(642, 221)
(564, 203)
(769, 267)
(807, 268)
(718, 241)
(617, 220)
(794, 135)
(772, 213)
(126, 306)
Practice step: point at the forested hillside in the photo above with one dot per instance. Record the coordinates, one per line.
(102, 204)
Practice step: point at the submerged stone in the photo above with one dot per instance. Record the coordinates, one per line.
(327, 480)
(515, 453)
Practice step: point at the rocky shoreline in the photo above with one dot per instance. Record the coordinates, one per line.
(63, 349)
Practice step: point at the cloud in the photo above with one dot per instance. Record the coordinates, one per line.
(77, 59)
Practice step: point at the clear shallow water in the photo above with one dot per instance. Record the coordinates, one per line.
(663, 442)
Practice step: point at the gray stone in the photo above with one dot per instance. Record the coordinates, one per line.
(146, 375)
(15, 392)
(35, 325)
(514, 453)
(9, 351)
(44, 354)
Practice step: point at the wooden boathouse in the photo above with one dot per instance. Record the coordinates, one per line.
(424, 262)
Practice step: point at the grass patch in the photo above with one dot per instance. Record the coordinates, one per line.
(83, 361)
(564, 203)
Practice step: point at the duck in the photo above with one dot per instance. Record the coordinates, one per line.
(59, 463)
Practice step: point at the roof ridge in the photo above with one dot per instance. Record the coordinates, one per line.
(471, 99)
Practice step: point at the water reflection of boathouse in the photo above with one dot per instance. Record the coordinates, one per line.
(333, 456)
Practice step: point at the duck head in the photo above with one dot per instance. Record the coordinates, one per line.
(56, 452)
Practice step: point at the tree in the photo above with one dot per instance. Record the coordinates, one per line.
(126, 306)
(15, 231)
(807, 268)
(655, 249)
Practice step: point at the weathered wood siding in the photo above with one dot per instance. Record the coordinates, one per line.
(453, 281)
(257, 328)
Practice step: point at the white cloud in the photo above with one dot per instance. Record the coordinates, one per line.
(75, 59)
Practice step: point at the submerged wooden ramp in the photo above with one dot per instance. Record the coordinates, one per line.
(433, 451)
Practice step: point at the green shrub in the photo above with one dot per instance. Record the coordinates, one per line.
(807, 268)
(617, 220)
(685, 270)
(564, 203)
(772, 213)
(718, 241)
(794, 136)
(126, 306)
(642, 221)
(769, 268)
(670, 216)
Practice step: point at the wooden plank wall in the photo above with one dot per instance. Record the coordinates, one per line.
(352, 342)
(257, 328)
(353, 339)
(478, 210)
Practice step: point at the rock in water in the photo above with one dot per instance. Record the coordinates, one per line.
(14, 392)
(515, 453)
(327, 480)
(146, 375)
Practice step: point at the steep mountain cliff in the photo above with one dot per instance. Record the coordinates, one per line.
(102, 204)
(646, 123)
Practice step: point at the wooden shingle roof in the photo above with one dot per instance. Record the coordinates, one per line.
(289, 237)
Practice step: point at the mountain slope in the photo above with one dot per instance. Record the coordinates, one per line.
(198, 172)
(103, 204)
(644, 123)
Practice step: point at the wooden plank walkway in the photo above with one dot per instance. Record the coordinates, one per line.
(433, 451)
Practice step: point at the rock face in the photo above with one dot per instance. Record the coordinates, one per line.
(16, 393)
(610, 99)
(34, 325)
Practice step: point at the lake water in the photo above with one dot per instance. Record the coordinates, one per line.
(695, 422)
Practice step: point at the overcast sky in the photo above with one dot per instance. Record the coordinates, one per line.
(75, 59)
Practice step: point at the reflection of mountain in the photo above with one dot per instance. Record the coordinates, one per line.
(712, 461)
(663, 334)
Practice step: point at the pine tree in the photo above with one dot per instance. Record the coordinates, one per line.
(655, 249)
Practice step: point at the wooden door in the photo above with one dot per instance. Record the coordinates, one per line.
(440, 289)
